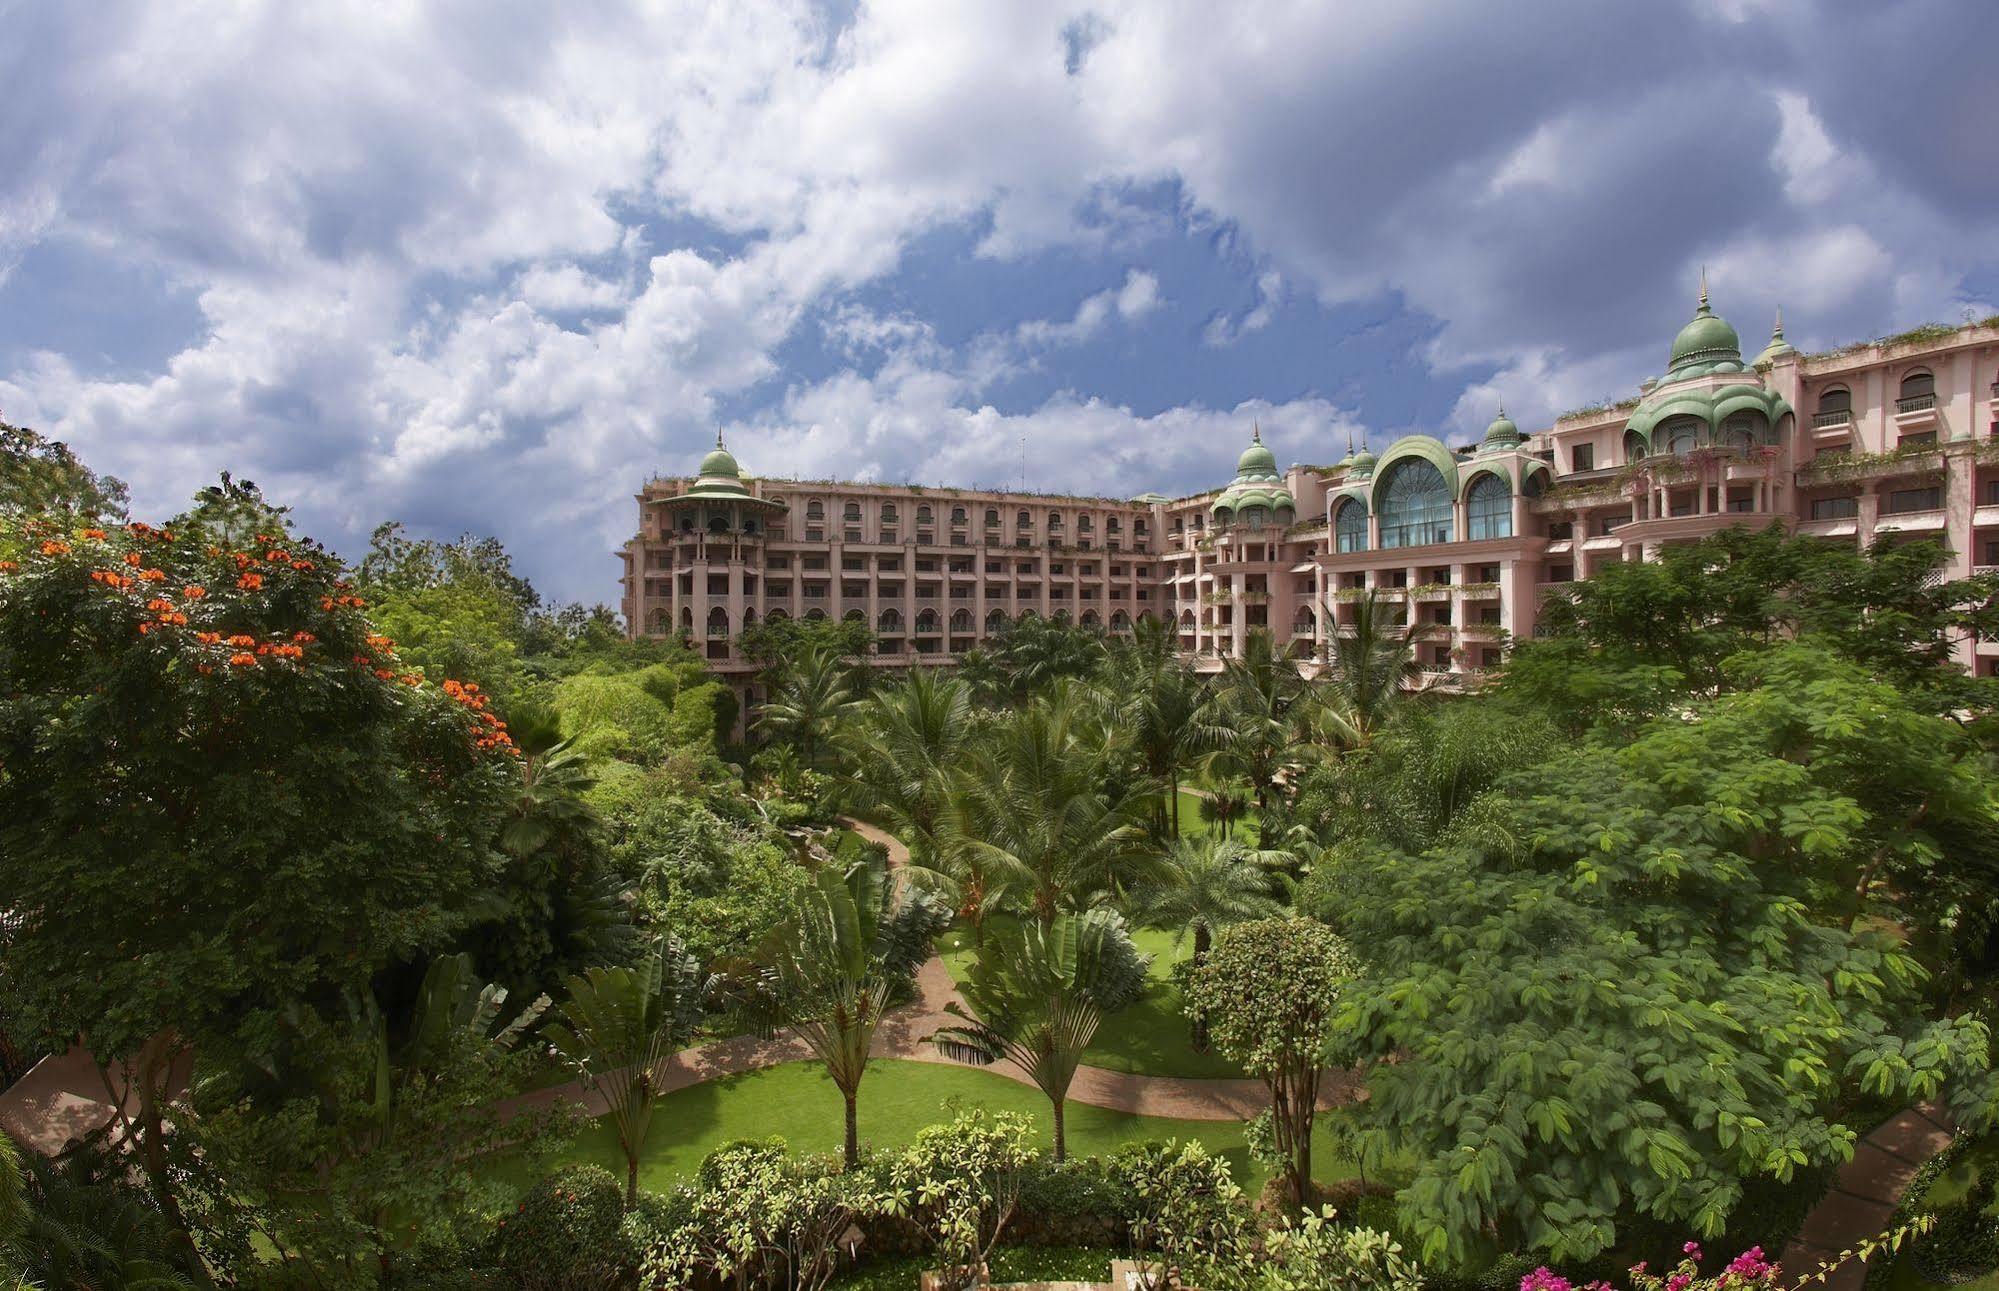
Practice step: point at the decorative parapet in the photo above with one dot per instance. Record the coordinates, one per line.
(1916, 459)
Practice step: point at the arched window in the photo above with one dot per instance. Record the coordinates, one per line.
(992, 517)
(1415, 505)
(1120, 622)
(853, 616)
(1023, 520)
(961, 620)
(1744, 431)
(1680, 435)
(995, 620)
(815, 615)
(1254, 517)
(1061, 616)
(923, 515)
(749, 526)
(852, 511)
(718, 622)
(1084, 524)
(1090, 619)
(1634, 446)
(750, 617)
(1350, 526)
(718, 524)
(776, 616)
(926, 623)
(1488, 509)
(1919, 391)
(656, 621)
(890, 620)
(815, 510)
(1839, 399)
(687, 523)
(1054, 519)
(687, 618)
(888, 513)
(1186, 620)
(1301, 623)
(957, 515)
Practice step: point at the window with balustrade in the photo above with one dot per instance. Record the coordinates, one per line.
(1835, 408)
(1918, 391)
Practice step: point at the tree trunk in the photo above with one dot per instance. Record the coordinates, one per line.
(853, 1152)
(1061, 1132)
(1199, 1037)
(1173, 780)
(631, 1179)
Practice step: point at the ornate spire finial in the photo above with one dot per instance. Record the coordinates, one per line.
(1703, 308)
(1777, 332)
(718, 436)
(1502, 407)
(1256, 432)
(1349, 441)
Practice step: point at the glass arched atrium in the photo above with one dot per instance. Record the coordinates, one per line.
(1350, 526)
(1415, 505)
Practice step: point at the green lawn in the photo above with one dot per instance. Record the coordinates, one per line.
(1151, 1037)
(1951, 1186)
(797, 1102)
(1194, 825)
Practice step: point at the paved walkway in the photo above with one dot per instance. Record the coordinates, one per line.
(1865, 1192)
(905, 1033)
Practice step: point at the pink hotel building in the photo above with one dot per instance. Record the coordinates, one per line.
(1897, 437)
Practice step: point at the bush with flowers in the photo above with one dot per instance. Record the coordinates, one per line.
(222, 795)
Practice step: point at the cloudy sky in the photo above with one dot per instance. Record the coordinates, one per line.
(483, 266)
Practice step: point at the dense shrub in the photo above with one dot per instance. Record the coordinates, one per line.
(568, 1233)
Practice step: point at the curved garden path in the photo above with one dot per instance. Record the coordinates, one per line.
(1865, 1192)
(905, 1033)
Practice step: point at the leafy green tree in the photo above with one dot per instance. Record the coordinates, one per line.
(775, 644)
(352, 1145)
(1316, 1251)
(1030, 655)
(1037, 995)
(760, 1216)
(961, 1182)
(1644, 988)
(1189, 1219)
(1268, 991)
(830, 971)
(1040, 816)
(811, 696)
(902, 745)
(1628, 643)
(222, 775)
(619, 1027)
(40, 476)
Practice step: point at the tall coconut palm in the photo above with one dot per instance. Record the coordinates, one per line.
(619, 1027)
(1370, 672)
(828, 972)
(1260, 707)
(811, 695)
(1161, 704)
(1037, 995)
(902, 745)
(1041, 816)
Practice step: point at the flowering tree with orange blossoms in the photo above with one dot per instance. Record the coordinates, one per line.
(222, 798)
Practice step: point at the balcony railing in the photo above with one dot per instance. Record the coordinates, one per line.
(1837, 417)
(1916, 403)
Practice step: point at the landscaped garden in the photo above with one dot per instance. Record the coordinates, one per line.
(435, 936)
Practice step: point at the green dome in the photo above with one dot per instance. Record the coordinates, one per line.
(1363, 462)
(720, 462)
(1707, 340)
(1256, 460)
(1502, 433)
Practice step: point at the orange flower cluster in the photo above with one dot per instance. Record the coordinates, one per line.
(242, 641)
(159, 605)
(380, 643)
(242, 660)
(8, 566)
(282, 651)
(134, 559)
(276, 555)
(209, 638)
(250, 582)
(54, 548)
(494, 736)
(242, 559)
(328, 602)
(304, 636)
(93, 533)
(112, 579)
(194, 591)
(174, 618)
(152, 575)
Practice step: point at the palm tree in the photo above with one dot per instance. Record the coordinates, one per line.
(1040, 811)
(902, 744)
(1259, 708)
(1370, 670)
(828, 972)
(813, 692)
(1162, 705)
(1208, 884)
(1037, 996)
(619, 1027)
(78, 1231)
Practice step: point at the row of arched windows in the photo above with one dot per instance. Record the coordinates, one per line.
(1416, 509)
(851, 512)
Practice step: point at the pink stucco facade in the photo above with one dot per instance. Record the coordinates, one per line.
(1887, 439)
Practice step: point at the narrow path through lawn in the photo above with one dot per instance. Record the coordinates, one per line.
(905, 1033)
